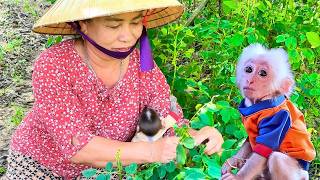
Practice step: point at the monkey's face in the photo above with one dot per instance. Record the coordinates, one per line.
(257, 80)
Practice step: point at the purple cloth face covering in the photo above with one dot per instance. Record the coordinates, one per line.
(146, 59)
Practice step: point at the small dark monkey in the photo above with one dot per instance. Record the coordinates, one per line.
(151, 126)
(149, 122)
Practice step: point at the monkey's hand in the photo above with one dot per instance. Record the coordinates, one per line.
(230, 176)
(232, 163)
(164, 149)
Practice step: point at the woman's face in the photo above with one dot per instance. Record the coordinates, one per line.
(115, 33)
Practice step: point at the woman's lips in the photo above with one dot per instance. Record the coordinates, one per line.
(121, 49)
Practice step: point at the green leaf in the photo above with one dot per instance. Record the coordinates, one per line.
(189, 53)
(231, 4)
(206, 118)
(308, 53)
(161, 171)
(291, 43)
(214, 170)
(148, 173)
(170, 167)
(108, 167)
(281, 38)
(194, 173)
(129, 178)
(131, 169)
(313, 39)
(223, 103)
(188, 142)
(251, 38)
(315, 92)
(89, 172)
(225, 113)
(228, 143)
(197, 158)
(237, 40)
(101, 177)
(181, 155)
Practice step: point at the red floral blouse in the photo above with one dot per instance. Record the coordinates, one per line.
(70, 101)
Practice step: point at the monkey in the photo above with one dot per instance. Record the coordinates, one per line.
(278, 144)
(149, 122)
(151, 127)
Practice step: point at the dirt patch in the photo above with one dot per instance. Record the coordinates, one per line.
(19, 46)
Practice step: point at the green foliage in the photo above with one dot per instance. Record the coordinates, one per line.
(18, 115)
(199, 63)
(2, 170)
(53, 40)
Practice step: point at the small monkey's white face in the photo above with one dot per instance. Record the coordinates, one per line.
(257, 80)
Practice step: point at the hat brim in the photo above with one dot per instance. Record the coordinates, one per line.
(55, 20)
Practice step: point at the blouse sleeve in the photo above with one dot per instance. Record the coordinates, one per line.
(272, 131)
(59, 109)
(158, 92)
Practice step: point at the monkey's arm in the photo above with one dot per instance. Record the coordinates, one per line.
(253, 167)
(238, 159)
(272, 131)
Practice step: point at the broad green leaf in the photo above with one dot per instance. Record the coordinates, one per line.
(189, 53)
(196, 123)
(189, 33)
(148, 173)
(315, 92)
(225, 113)
(89, 172)
(228, 143)
(291, 43)
(237, 40)
(108, 166)
(131, 169)
(170, 167)
(231, 4)
(234, 114)
(223, 103)
(212, 107)
(214, 170)
(161, 171)
(196, 158)
(251, 38)
(101, 177)
(138, 177)
(206, 118)
(308, 53)
(181, 155)
(294, 56)
(194, 173)
(281, 38)
(313, 39)
(188, 142)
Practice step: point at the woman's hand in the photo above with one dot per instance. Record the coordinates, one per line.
(232, 163)
(164, 149)
(213, 137)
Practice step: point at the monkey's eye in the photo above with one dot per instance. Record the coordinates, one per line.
(263, 73)
(248, 69)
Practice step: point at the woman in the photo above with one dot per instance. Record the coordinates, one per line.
(89, 91)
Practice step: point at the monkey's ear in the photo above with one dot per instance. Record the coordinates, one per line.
(286, 85)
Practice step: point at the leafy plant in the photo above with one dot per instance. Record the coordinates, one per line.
(18, 115)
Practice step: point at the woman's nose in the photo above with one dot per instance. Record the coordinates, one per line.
(125, 34)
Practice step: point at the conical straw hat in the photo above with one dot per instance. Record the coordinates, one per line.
(54, 21)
